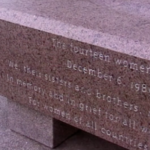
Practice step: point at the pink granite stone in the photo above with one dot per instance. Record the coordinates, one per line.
(82, 62)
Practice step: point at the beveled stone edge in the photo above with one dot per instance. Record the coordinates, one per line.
(139, 49)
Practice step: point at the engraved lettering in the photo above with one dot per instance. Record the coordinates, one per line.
(89, 52)
(90, 71)
(116, 101)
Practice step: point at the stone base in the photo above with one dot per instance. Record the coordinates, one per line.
(3, 113)
(36, 126)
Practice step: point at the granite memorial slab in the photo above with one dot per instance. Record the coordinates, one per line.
(85, 63)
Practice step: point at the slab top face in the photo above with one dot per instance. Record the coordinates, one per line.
(80, 69)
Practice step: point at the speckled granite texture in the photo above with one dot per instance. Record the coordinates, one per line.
(82, 62)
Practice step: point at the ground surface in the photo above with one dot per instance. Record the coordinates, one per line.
(82, 141)
(10, 140)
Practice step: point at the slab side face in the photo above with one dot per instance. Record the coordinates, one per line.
(95, 89)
